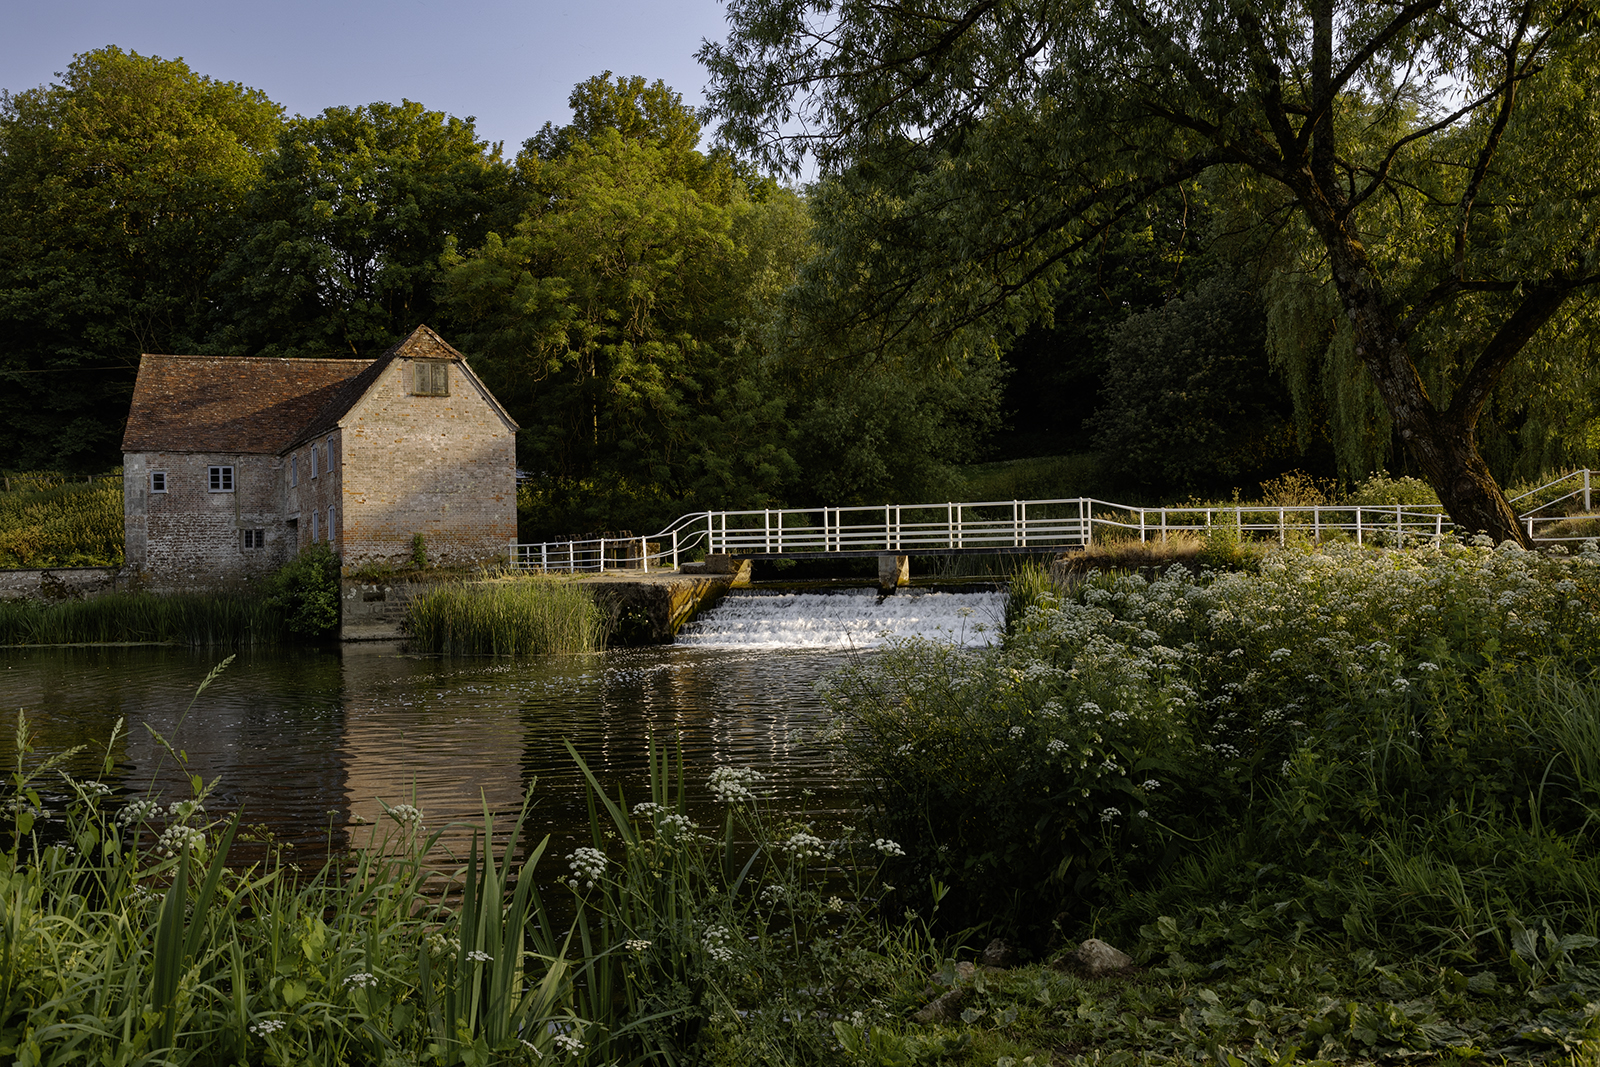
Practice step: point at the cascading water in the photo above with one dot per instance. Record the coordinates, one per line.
(847, 618)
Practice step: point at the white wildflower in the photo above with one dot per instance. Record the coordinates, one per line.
(888, 847)
(805, 845)
(587, 865)
(732, 784)
(174, 839)
(718, 943)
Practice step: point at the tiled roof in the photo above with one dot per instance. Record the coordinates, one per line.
(248, 404)
(230, 403)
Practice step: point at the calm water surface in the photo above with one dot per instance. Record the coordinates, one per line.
(311, 744)
(307, 742)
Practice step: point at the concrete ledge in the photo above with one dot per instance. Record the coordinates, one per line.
(650, 610)
(60, 583)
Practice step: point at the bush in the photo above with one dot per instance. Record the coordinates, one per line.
(1381, 490)
(61, 524)
(306, 590)
(1281, 721)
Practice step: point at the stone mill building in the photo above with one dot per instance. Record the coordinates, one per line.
(232, 465)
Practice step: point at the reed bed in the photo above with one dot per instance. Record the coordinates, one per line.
(69, 524)
(512, 617)
(197, 619)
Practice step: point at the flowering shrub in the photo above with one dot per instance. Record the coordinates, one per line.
(1333, 693)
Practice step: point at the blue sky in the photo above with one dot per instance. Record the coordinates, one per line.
(510, 63)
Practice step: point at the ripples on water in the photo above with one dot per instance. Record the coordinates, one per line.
(306, 742)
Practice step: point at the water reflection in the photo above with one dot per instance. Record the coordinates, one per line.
(307, 742)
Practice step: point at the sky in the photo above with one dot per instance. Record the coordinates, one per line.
(511, 64)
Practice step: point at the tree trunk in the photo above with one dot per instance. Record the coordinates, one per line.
(1444, 444)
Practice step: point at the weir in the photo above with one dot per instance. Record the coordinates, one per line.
(847, 618)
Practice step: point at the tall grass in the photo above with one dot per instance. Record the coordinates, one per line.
(511, 617)
(200, 619)
(46, 523)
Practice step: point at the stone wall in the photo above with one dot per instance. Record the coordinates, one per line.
(191, 534)
(373, 611)
(60, 583)
(441, 466)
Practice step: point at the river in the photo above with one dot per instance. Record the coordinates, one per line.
(310, 744)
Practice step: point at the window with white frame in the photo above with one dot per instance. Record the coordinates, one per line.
(158, 481)
(221, 479)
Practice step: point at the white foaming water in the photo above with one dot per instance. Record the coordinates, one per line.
(847, 618)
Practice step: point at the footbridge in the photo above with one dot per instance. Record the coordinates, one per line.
(895, 532)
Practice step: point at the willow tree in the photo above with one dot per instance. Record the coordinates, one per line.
(1438, 156)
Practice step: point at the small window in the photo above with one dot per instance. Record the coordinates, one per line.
(158, 481)
(330, 526)
(313, 461)
(222, 479)
(313, 527)
(431, 378)
(294, 470)
(255, 538)
(330, 453)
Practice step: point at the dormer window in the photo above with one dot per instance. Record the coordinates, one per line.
(430, 377)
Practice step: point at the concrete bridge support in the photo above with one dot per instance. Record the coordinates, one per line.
(894, 571)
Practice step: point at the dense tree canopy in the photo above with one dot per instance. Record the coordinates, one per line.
(614, 318)
(343, 233)
(1428, 167)
(118, 190)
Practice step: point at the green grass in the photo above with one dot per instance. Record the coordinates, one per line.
(48, 522)
(200, 619)
(1038, 478)
(510, 617)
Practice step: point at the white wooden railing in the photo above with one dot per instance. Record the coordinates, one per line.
(1011, 525)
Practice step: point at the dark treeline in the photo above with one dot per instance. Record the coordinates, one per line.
(661, 318)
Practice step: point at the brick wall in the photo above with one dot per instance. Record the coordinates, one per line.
(441, 466)
(305, 495)
(191, 535)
